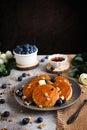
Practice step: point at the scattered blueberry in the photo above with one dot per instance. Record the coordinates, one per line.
(1, 93)
(53, 79)
(31, 103)
(63, 100)
(46, 57)
(25, 121)
(24, 74)
(4, 86)
(42, 60)
(20, 78)
(46, 81)
(59, 102)
(19, 94)
(2, 101)
(52, 68)
(6, 114)
(59, 73)
(39, 120)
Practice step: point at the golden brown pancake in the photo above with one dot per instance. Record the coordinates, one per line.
(45, 95)
(29, 87)
(64, 87)
(60, 79)
(66, 90)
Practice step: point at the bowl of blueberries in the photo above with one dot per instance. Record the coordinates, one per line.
(26, 55)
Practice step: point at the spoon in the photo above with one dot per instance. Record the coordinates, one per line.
(73, 117)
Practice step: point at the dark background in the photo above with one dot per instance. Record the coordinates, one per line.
(54, 26)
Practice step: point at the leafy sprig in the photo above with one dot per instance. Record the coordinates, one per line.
(7, 63)
(79, 63)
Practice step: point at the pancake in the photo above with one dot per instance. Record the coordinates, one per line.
(64, 87)
(29, 87)
(45, 95)
(60, 79)
(65, 90)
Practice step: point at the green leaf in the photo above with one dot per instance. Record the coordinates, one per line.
(84, 56)
(83, 68)
(74, 72)
(11, 64)
(79, 63)
(6, 68)
(2, 67)
(3, 70)
(77, 60)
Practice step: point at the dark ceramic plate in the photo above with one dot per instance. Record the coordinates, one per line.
(75, 96)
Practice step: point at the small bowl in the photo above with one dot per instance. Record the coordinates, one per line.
(24, 60)
(58, 60)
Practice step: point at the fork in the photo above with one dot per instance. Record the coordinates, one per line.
(73, 117)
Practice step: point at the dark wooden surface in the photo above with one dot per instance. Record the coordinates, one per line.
(54, 26)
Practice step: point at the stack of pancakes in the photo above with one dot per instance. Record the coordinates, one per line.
(45, 92)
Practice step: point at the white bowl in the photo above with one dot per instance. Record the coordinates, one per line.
(58, 60)
(28, 60)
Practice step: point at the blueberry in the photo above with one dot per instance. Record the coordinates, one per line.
(24, 74)
(53, 79)
(4, 86)
(59, 73)
(46, 57)
(20, 49)
(34, 48)
(59, 102)
(31, 103)
(1, 93)
(19, 94)
(19, 52)
(2, 101)
(27, 45)
(31, 51)
(42, 60)
(24, 46)
(6, 114)
(20, 78)
(52, 68)
(63, 100)
(46, 81)
(25, 121)
(39, 119)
